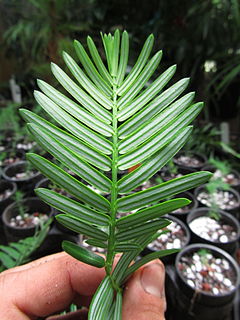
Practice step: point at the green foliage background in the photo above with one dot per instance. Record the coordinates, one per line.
(34, 33)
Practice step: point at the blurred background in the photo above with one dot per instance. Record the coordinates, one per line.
(201, 37)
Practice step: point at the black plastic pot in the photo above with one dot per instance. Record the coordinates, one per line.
(16, 233)
(187, 303)
(12, 187)
(14, 155)
(195, 167)
(229, 246)
(5, 185)
(6, 141)
(234, 210)
(234, 172)
(166, 174)
(26, 184)
(170, 259)
(183, 213)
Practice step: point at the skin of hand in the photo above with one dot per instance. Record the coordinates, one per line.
(50, 284)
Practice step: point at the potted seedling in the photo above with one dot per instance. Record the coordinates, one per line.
(216, 228)
(9, 157)
(110, 122)
(217, 194)
(7, 190)
(174, 236)
(23, 174)
(222, 169)
(23, 216)
(204, 283)
(190, 160)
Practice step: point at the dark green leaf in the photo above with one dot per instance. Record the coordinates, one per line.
(126, 246)
(72, 125)
(153, 108)
(159, 139)
(163, 191)
(7, 261)
(11, 252)
(79, 226)
(146, 259)
(153, 212)
(70, 159)
(72, 107)
(86, 83)
(108, 47)
(17, 253)
(84, 150)
(98, 61)
(83, 254)
(80, 95)
(115, 53)
(123, 58)
(127, 258)
(141, 230)
(72, 207)
(159, 122)
(139, 65)
(96, 243)
(137, 86)
(91, 70)
(153, 164)
(64, 180)
(147, 95)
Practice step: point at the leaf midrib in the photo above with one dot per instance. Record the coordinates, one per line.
(114, 185)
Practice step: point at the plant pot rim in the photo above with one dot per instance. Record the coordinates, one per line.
(15, 152)
(223, 213)
(12, 185)
(193, 248)
(182, 151)
(198, 154)
(231, 190)
(18, 164)
(183, 226)
(41, 181)
(13, 205)
(203, 186)
(209, 167)
(194, 202)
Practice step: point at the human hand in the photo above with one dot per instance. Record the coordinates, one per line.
(50, 284)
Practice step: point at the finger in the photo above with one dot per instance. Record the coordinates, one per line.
(144, 296)
(47, 287)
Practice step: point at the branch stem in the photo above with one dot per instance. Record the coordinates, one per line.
(114, 191)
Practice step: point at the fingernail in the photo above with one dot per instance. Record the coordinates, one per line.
(152, 280)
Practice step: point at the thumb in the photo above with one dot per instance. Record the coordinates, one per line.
(144, 295)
